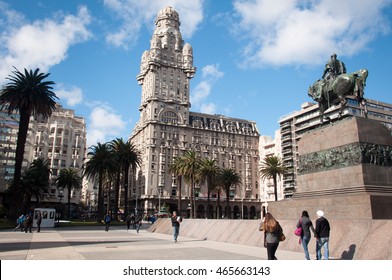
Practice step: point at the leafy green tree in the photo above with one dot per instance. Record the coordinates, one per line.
(29, 95)
(100, 162)
(69, 179)
(229, 178)
(208, 172)
(35, 182)
(272, 167)
(128, 157)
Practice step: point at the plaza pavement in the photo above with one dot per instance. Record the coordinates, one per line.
(94, 243)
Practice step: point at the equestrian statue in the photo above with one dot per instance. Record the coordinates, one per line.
(336, 85)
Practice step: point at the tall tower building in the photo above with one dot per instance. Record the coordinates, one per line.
(167, 129)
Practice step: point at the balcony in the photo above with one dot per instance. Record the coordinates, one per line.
(285, 131)
(285, 124)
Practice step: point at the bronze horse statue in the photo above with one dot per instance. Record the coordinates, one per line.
(334, 91)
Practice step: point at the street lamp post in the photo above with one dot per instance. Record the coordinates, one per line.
(159, 200)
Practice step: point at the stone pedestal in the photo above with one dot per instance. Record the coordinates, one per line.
(345, 169)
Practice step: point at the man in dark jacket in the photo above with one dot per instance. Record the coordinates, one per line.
(322, 235)
(28, 222)
(176, 220)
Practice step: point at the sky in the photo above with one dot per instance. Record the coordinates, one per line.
(255, 59)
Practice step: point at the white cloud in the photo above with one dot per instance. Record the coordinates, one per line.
(104, 123)
(301, 32)
(42, 43)
(209, 108)
(210, 75)
(71, 94)
(135, 13)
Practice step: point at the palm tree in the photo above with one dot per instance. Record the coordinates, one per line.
(69, 179)
(228, 178)
(208, 172)
(127, 157)
(28, 94)
(272, 167)
(176, 169)
(35, 182)
(191, 164)
(187, 166)
(116, 146)
(100, 163)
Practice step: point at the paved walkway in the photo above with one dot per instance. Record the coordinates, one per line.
(93, 243)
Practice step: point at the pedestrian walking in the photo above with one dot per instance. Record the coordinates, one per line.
(133, 221)
(272, 235)
(138, 222)
(306, 224)
(322, 235)
(107, 220)
(128, 220)
(20, 222)
(176, 221)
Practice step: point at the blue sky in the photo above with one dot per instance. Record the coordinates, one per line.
(255, 59)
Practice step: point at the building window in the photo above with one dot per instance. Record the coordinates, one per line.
(170, 117)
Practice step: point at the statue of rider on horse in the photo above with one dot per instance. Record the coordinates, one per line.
(336, 85)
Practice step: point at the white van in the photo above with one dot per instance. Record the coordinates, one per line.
(48, 217)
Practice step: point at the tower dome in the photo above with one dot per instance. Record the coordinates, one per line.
(188, 50)
(168, 13)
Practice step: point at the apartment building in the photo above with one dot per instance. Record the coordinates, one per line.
(270, 147)
(9, 126)
(60, 139)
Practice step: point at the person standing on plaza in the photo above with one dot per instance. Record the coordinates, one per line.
(176, 220)
(306, 224)
(39, 221)
(128, 220)
(107, 220)
(138, 222)
(28, 223)
(322, 235)
(273, 232)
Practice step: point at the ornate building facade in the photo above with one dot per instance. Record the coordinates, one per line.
(167, 129)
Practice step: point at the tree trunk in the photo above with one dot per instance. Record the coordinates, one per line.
(228, 214)
(208, 202)
(218, 214)
(19, 154)
(100, 198)
(179, 179)
(69, 202)
(275, 188)
(126, 189)
(116, 196)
